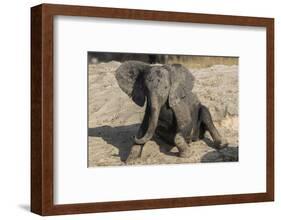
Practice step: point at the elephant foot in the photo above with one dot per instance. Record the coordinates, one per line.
(220, 144)
(134, 154)
(183, 147)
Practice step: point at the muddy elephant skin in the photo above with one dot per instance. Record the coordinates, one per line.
(172, 111)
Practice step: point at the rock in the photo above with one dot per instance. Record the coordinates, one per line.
(150, 150)
(134, 153)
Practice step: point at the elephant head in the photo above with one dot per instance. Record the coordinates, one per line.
(157, 85)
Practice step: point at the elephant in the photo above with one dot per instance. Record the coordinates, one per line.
(173, 112)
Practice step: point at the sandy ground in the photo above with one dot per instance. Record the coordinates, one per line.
(114, 119)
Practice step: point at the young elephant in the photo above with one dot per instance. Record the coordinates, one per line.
(172, 111)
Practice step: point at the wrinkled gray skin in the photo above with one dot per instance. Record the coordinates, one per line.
(172, 111)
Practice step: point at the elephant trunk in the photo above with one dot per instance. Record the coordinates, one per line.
(153, 120)
(144, 139)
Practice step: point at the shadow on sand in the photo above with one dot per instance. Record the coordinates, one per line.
(121, 137)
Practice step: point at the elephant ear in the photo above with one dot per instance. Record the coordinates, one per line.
(129, 77)
(138, 94)
(182, 82)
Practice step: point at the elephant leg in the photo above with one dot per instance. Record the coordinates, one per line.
(154, 105)
(196, 125)
(202, 131)
(183, 147)
(196, 131)
(184, 129)
(167, 135)
(199, 128)
(166, 125)
(208, 123)
(144, 124)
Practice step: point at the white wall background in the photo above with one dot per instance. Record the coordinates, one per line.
(15, 108)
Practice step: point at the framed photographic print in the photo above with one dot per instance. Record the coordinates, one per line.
(138, 109)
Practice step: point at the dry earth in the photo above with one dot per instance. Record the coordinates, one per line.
(114, 119)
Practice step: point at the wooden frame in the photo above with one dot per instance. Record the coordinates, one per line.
(42, 109)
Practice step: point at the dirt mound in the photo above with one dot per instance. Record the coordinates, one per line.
(114, 118)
